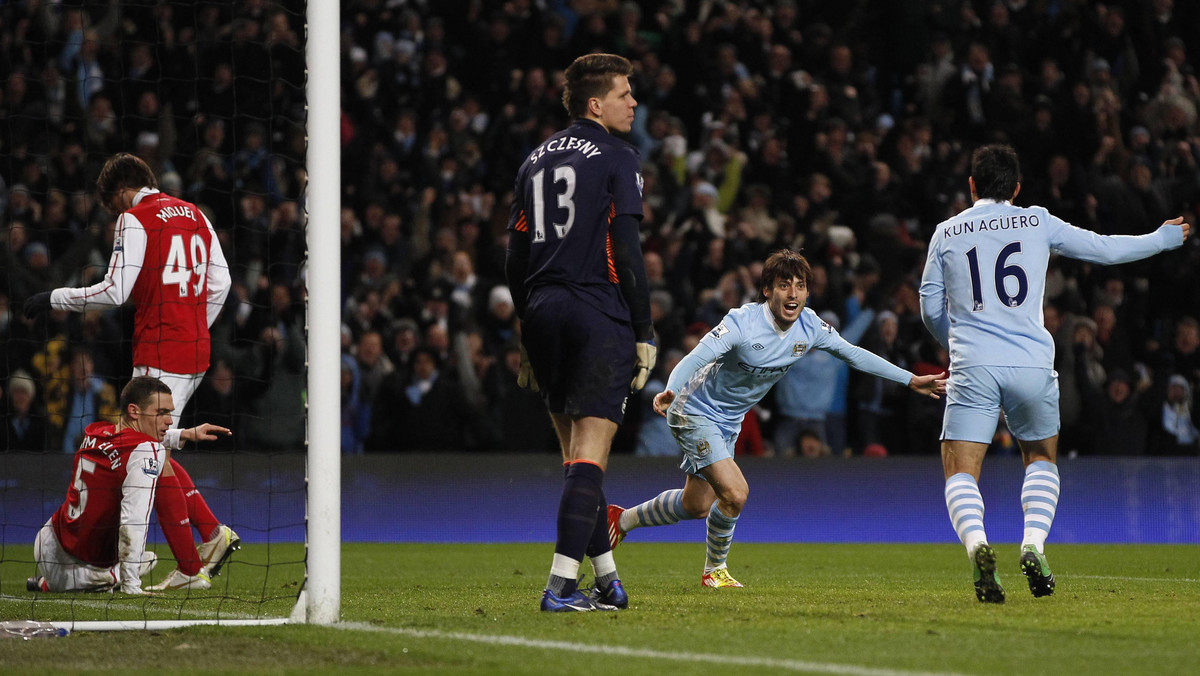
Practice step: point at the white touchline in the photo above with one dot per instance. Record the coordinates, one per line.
(519, 641)
(1134, 579)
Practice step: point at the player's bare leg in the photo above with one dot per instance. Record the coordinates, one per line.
(1039, 501)
(962, 461)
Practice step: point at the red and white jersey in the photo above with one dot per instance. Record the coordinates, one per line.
(107, 511)
(167, 259)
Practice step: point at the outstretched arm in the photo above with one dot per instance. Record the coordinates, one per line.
(1113, 249)
(174, 439)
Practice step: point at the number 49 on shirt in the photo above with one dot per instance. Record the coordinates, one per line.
(180, 268)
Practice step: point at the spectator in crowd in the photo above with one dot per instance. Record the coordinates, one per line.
(881, 403)
(423, 412)
(219, 399)
(25, 428)
(87, 399)
(1172, 421)
(1116, 424)
(523, 425)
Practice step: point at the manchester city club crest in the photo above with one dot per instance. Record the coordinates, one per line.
(798, 349)
(702, 449)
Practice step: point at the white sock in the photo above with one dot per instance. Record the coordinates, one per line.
(604, 564)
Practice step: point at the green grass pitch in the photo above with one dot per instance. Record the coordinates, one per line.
(875, 610)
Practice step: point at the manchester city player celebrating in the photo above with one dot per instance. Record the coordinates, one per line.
(713, 387)
(982, 298)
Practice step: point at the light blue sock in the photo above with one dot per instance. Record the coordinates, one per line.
(965, 505)
(663, 510)
(720, 538)
(1039, 501)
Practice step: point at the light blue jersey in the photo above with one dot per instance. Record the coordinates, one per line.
(985, 278)
(738, 361)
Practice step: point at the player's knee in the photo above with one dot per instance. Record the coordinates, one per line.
(734, 500)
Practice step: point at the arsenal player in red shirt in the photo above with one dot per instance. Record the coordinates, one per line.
(166, 258)
(96, 540)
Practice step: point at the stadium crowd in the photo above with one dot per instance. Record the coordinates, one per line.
(842, 130)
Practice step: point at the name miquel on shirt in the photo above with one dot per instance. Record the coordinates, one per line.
(998, 223)
(172, 212)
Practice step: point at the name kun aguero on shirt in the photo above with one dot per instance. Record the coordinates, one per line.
(997, 223)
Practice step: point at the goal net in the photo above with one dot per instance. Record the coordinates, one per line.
(213, 97)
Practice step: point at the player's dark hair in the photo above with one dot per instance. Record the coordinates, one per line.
(996, 171)
(139, 390)
(589, 76)
(784, 264)
(124, 170)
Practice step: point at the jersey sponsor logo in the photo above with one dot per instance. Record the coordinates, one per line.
(765, 370)
(150, 467)
(640, 182)
(757, 346)
(702, 448)
(719, 330)
(798, 349)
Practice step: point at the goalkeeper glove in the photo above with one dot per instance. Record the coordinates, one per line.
(37, 304)
(525, 377)
(645, 357)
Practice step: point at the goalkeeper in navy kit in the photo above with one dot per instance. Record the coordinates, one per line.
(574, 266)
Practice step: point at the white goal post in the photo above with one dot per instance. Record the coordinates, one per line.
(321, 597)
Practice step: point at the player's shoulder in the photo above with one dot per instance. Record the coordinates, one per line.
(810, 323)
(738, 318)
(130, 440)
(746, 314)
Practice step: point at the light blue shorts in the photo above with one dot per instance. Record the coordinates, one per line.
(702, 441)
(975, 395)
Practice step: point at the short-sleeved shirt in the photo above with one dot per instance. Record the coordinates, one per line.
(567, 193)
